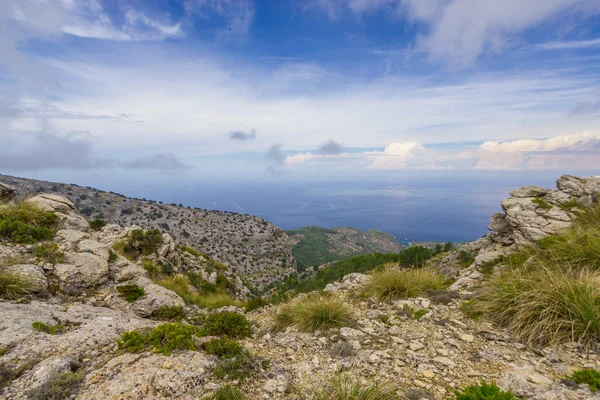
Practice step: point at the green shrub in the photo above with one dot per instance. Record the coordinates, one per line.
(483, 391)
(26, 223)
(14, 286)
(471, 309)
(141, 243)
(588, 376)
(345, 388)
(229, 324)
(227, 392)
(316, 311)
(130, 292)
(49, 329)
(223, 347)
(153, 269)
(465, 258)
(255, 304)
(49, 252)
(112, 256)
(190, 250)
(163, 339)
(58, 387)
(545, 305)
(181, 284)
(403, 283)
(169, 313)
(224, 283)
(97, 224)
(239, 367)
(541, 203)
(197, 281)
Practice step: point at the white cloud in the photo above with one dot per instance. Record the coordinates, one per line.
(570, 44)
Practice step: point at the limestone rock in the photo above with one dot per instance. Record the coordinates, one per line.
(53, 203)
(81, 271)
(155, 297)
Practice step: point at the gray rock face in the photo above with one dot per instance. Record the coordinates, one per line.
(155, 297)
(82, 271)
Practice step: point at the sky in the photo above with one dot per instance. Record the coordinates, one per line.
(263, 90)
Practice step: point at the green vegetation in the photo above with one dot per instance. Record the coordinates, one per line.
(163, 339)
(14, 286)
(589, 376)
(541, 204)
(223, 347)
(130, 292)
(471, 309)
(139, 243)
(229, 324)
(9, 374)
(412, 313)
(186, 286)
(97, 224)
(403, 283)
(112, 256)
(26, 223)
(313, 248)
(49, 252)
(190, 250)
(239, 367)
(316, 311)
(483, 391)
(255, 304)
(58, 387)
(227, 392)
(49, 329)
(345, 388)
(169, 313)
(465, 258)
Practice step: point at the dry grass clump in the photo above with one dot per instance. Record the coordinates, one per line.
(546, 304)
(344, 388)
(315, 311)
(14, 286)
(397, 284)
(181, 285)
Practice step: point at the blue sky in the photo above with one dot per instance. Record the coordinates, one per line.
(260, 90)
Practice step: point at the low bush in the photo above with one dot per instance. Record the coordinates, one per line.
(163, 339)
(26, 223)
(483, 391)
(315, 311)
(169, 313)
(49, 329)
(140, 243)
(223, 347)
(545, 305)
(403, 283)
(97, 224)
(255, 304)
(542, 204)
(112, 256)
(465, 258)
(229, 324)
(227, 392)
(217, 300)
(190, 250)
(589, 376)
(201, 284)
(239, 367)
(58, 387)
(14, 286)
(130, 292)
(345, 388)
(49, 252)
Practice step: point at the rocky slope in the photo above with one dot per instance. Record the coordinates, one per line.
(250, 246)
(424, 357)
(313, 245)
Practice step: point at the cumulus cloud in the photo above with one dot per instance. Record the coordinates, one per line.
(395, 155)
(331, 147)
(243, 136)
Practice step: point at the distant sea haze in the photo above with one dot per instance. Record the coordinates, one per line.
(427, 207)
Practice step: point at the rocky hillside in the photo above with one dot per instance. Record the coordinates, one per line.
(313, 245)
(249, 246)
(122, 313)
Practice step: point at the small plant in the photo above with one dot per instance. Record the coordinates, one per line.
(190, 250)
(588, 376)
(152, 268)
(541, 204)
(97, 224)
(227, 392)
(204, 286)
(403, 283)
(345, 388)
(569, 205)
(465, 258)
(169, 313)
(130, 292)
(140, 243)
(227, 323)
(26, 223)
(471, 309)
(223, 347)
(255, 304)
(163, 339)
(50, 253)
(49, 329)
(483, 391)
(419, 313)
(316, 311)
(412, 313)
(239, 367)
(112, 256)
(58, 387)
(384, 318)
(14, 286)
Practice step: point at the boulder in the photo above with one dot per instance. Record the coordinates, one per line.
(155, 297)
(81, 271)
(53, 203)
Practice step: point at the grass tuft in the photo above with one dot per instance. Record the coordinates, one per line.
(14, 286)
(316, 311)
(58, 387)
(49, 252)
(26, 223)
(403, 283)
(483, 391)
(226, 392)
(49, 329)
(589, 376)
(345, 388)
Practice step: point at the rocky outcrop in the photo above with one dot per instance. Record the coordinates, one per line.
(7, 193)
(529, 214)
(249, 246)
